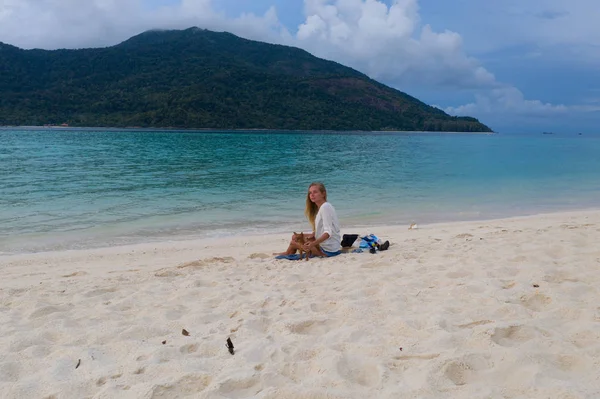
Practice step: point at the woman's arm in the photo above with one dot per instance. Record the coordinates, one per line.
(329, 227)
(318, 241)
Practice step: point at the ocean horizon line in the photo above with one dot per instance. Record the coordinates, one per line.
(211, 130)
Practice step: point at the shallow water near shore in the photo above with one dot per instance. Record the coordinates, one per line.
(63, 189)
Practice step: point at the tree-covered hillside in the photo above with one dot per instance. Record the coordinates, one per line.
(196, 78)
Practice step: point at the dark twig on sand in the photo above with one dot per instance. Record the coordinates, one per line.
(230, 346)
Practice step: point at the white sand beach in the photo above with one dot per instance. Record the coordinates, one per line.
(489, 309)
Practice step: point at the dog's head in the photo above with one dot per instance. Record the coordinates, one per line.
(299, 237)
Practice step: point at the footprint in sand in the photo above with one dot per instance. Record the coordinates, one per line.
(259, 256)
(467, 369)
(324, 307)
(260, 324)
(202, 263)
(187, 386)
(187, 349)
(375, 264)
(306, 354)
(208, 351)
(102, 380)
(10, 372)
(585, 339)
(464, 235)
(98, 292)
(359, 371)
(518, 259)
(513, 335)
(176, 313)
(287, 393)
(371, 291)
(167, 273)
(426, 356)
(562, 365)
(312, 327)
(568, 227)
(556, 252)
(295, 371)
(458, 274)
(560, 277)
(569, 363)
(75, 274)
(34, 351)
(242, 387)
(475, 324)
(48, 310)
(202, 283)
(197, 264)
(536, 302)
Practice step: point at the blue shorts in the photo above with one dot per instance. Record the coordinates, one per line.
(297, 256)
(330, 254)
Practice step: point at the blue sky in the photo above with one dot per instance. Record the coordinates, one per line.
(516, 65)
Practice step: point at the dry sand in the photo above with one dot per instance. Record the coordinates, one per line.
(495, 309)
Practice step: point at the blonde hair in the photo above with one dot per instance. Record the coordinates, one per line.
(312, 209)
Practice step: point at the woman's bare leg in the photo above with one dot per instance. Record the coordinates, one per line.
(292, 248)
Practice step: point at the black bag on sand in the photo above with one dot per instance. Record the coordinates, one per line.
(348, 240)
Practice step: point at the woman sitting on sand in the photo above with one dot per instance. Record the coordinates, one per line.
(325, 238)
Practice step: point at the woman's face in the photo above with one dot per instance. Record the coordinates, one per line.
(315, 195)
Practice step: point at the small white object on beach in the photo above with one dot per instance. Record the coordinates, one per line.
(413, 226)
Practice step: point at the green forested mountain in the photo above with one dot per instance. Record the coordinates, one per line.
(196, 78)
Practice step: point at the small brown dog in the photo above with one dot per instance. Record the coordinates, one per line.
(301, 239)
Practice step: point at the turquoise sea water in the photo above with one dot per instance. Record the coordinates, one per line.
(87, 188)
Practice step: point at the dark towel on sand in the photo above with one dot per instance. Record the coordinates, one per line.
(348, 240)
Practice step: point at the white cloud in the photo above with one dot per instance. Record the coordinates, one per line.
(507, 100)
(567, 29)
(53, 24)
(65, 23)
(388, 43)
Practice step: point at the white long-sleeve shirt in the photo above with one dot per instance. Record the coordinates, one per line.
(327, 222)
